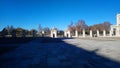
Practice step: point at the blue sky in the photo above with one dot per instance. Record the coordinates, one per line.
(29, 14)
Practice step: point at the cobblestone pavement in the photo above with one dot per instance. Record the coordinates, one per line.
(63, 53)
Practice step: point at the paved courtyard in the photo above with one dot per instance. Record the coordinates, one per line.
(64, 53)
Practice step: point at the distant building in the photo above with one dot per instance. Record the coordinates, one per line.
(115, 29)
(54, 32)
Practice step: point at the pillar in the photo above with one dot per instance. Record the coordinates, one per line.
(98, 33)
(56, 34)
(69, 34)
(110, 33)
(76, 33)
(91, 33)
(83, 32)
(64, 33)
(117, 31)
(104, 33)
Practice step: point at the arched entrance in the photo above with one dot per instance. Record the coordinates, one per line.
(114, 31)
(53, 35)
(67, 35)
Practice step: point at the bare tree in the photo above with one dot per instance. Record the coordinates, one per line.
(47, 30)
(106, 26)
(71, 27)
(101, 27)
(4, 32)
(9, 29)
(80, 25)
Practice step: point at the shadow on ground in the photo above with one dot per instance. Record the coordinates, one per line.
(9, 43)
(54, 53)
(15, 40)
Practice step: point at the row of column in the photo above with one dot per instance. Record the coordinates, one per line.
(68, 33)
(91, 33)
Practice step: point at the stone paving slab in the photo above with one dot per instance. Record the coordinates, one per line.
(68, 53)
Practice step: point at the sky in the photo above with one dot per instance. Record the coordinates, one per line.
(28, 14)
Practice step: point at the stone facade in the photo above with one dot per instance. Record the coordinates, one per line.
(54, 32)
(67, 33)
(114, 31)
